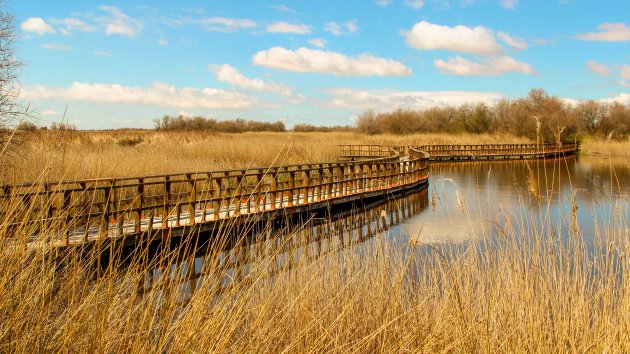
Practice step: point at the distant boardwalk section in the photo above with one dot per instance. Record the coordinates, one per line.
(468, 152)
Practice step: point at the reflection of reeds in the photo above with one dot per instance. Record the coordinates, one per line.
(520, 292)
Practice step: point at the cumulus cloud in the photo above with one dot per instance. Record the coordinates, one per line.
(158, 94)
(229, 74)
(36, 25)
(383, 3)
(597, 68)
(339, 29)
(489, 66)
(318, 42)
(623, 98)
(119, 23)
(386, 100)
(414, 4)
(162, 41)
(102, 53)
(508, 4)
(223, 24)
(609, 32)
(305, 60)
(284, 27)
(57, 47)
(624, 72)
(514, 42)
(68, 25)
(429, 36)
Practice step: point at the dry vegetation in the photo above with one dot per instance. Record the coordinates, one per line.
(68, 154)
(528, 292)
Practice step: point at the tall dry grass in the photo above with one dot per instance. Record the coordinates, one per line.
(537, 287)
(54, 155)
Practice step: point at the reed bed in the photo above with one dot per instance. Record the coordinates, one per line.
(71, 155)
(530, 284)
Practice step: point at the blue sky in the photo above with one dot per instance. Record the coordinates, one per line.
(122, 64)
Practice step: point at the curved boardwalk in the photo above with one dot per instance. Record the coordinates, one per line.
(78, 212)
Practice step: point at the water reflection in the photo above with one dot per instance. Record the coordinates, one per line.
(266, 252)
(467, 199)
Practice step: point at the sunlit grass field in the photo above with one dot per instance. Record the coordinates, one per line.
(538, 288)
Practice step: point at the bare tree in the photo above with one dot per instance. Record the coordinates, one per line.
(11, 111)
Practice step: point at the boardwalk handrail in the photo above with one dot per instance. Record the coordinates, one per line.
(132, 205)
(506, 150)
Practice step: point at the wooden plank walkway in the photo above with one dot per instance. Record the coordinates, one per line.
(76, 212)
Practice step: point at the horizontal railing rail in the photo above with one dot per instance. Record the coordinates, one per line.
(497, 149)
(86, 209)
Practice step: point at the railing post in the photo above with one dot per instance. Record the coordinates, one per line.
(104, 224)
(139, 205)
(192, 196)
(291, 187)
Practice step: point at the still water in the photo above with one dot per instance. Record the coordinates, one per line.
(464, 202)
(467, 199)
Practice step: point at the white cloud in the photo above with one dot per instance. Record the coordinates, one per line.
(158, 94)
(508, 4)
(162, 41)
(609, 32)
(48, 113)
(327, 62)
(623, 98)
(428, 36)
(597, 68)
(69, 25)
(284, 27)
(102, 53)
(229, 74)
(120, 23)
(624, 72)
(489, 66)
(36, 25)
(624, 83)
(318, 42)
(223, 24)
(337, 29)
(386, 100)
(283, 8)
(383, 2)
(514, 42)
(57, 47)
(414, 4)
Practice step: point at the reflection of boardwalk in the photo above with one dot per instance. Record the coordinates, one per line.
(78, 212)
(268, 252)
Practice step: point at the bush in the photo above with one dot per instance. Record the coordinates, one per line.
(130, 141)
(27, 126)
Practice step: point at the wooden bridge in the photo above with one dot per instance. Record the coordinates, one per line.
(79, 212)
(467, 152)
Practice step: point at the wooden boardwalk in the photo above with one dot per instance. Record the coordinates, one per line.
(78, 212)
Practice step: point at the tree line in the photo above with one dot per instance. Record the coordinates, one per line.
(538, 115)
(209, 124)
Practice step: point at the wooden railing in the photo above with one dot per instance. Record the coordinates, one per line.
(81, 210)
(498, 150)
(365, 151)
